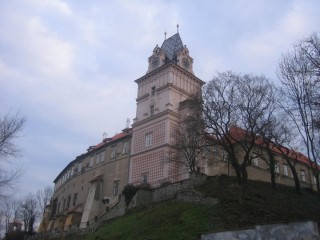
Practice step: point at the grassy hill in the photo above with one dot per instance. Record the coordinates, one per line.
(171, 220)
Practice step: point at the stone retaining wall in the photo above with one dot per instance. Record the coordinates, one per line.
(290, 231)
(145, 197)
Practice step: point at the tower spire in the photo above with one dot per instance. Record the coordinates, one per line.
(177, 27)
(165, 35)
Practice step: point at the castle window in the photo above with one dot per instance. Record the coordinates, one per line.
(75, 198)
(91, 161)
(255, 161)
(79, 167)
(224, 156)
(115, 187)
(148, 139)
(125, 148)
(153, 90)
(68, 203)
(285, 170)
(302, 175)
(145, 178)
(113, 151)
(215, 151)
(99, 157)
(276, 167)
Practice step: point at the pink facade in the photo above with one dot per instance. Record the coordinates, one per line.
(168, 82)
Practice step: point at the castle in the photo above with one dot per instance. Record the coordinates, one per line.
(141, 154)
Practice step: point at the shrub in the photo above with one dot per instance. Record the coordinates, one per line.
(164, 184)
(144, 186)
(129, 191)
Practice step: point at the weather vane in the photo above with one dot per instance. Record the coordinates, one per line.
(165, 34)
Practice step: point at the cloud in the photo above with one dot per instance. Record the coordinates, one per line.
(70, 66)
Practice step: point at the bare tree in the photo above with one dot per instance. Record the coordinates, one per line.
(235, 109)
(10, 210)
(43, 197)
(299, 72)
(29, 210)
(10, 128)
(188, 136)
(278, 138)
(190, 143)
(6, 211)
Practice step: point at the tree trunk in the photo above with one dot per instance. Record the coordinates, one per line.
(273, 180)
(317, 181)
(272, 170)
(295, 176)
(237, 169)
(244, 183)
(296, 180)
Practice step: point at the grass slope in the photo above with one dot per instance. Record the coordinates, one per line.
(171, 220)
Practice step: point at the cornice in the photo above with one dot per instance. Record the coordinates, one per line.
(168, 111)
(169, 65)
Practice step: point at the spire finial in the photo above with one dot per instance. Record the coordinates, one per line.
(177, 27)
(165, 34)
(128, 123)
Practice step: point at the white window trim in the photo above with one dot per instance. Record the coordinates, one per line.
(113, 152)
(302, 175)
(149, 139)
(285, 170)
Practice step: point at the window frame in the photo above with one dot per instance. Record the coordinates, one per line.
(113, 152)
(148, 139)
(285, 170)
(115, 188)
(302, 175)
(153, 90)
(125, 147)
(276, 167)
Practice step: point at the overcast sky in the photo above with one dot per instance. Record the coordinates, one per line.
(69, 66)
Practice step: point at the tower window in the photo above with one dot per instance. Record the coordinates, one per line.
(145, 179)
(148, 139)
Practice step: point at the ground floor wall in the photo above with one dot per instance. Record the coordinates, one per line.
(155, 167)
(258, 173)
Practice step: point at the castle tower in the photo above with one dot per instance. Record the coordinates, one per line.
(168, 82)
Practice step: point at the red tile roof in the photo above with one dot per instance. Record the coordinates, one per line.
(239, 133)
(108, 140)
